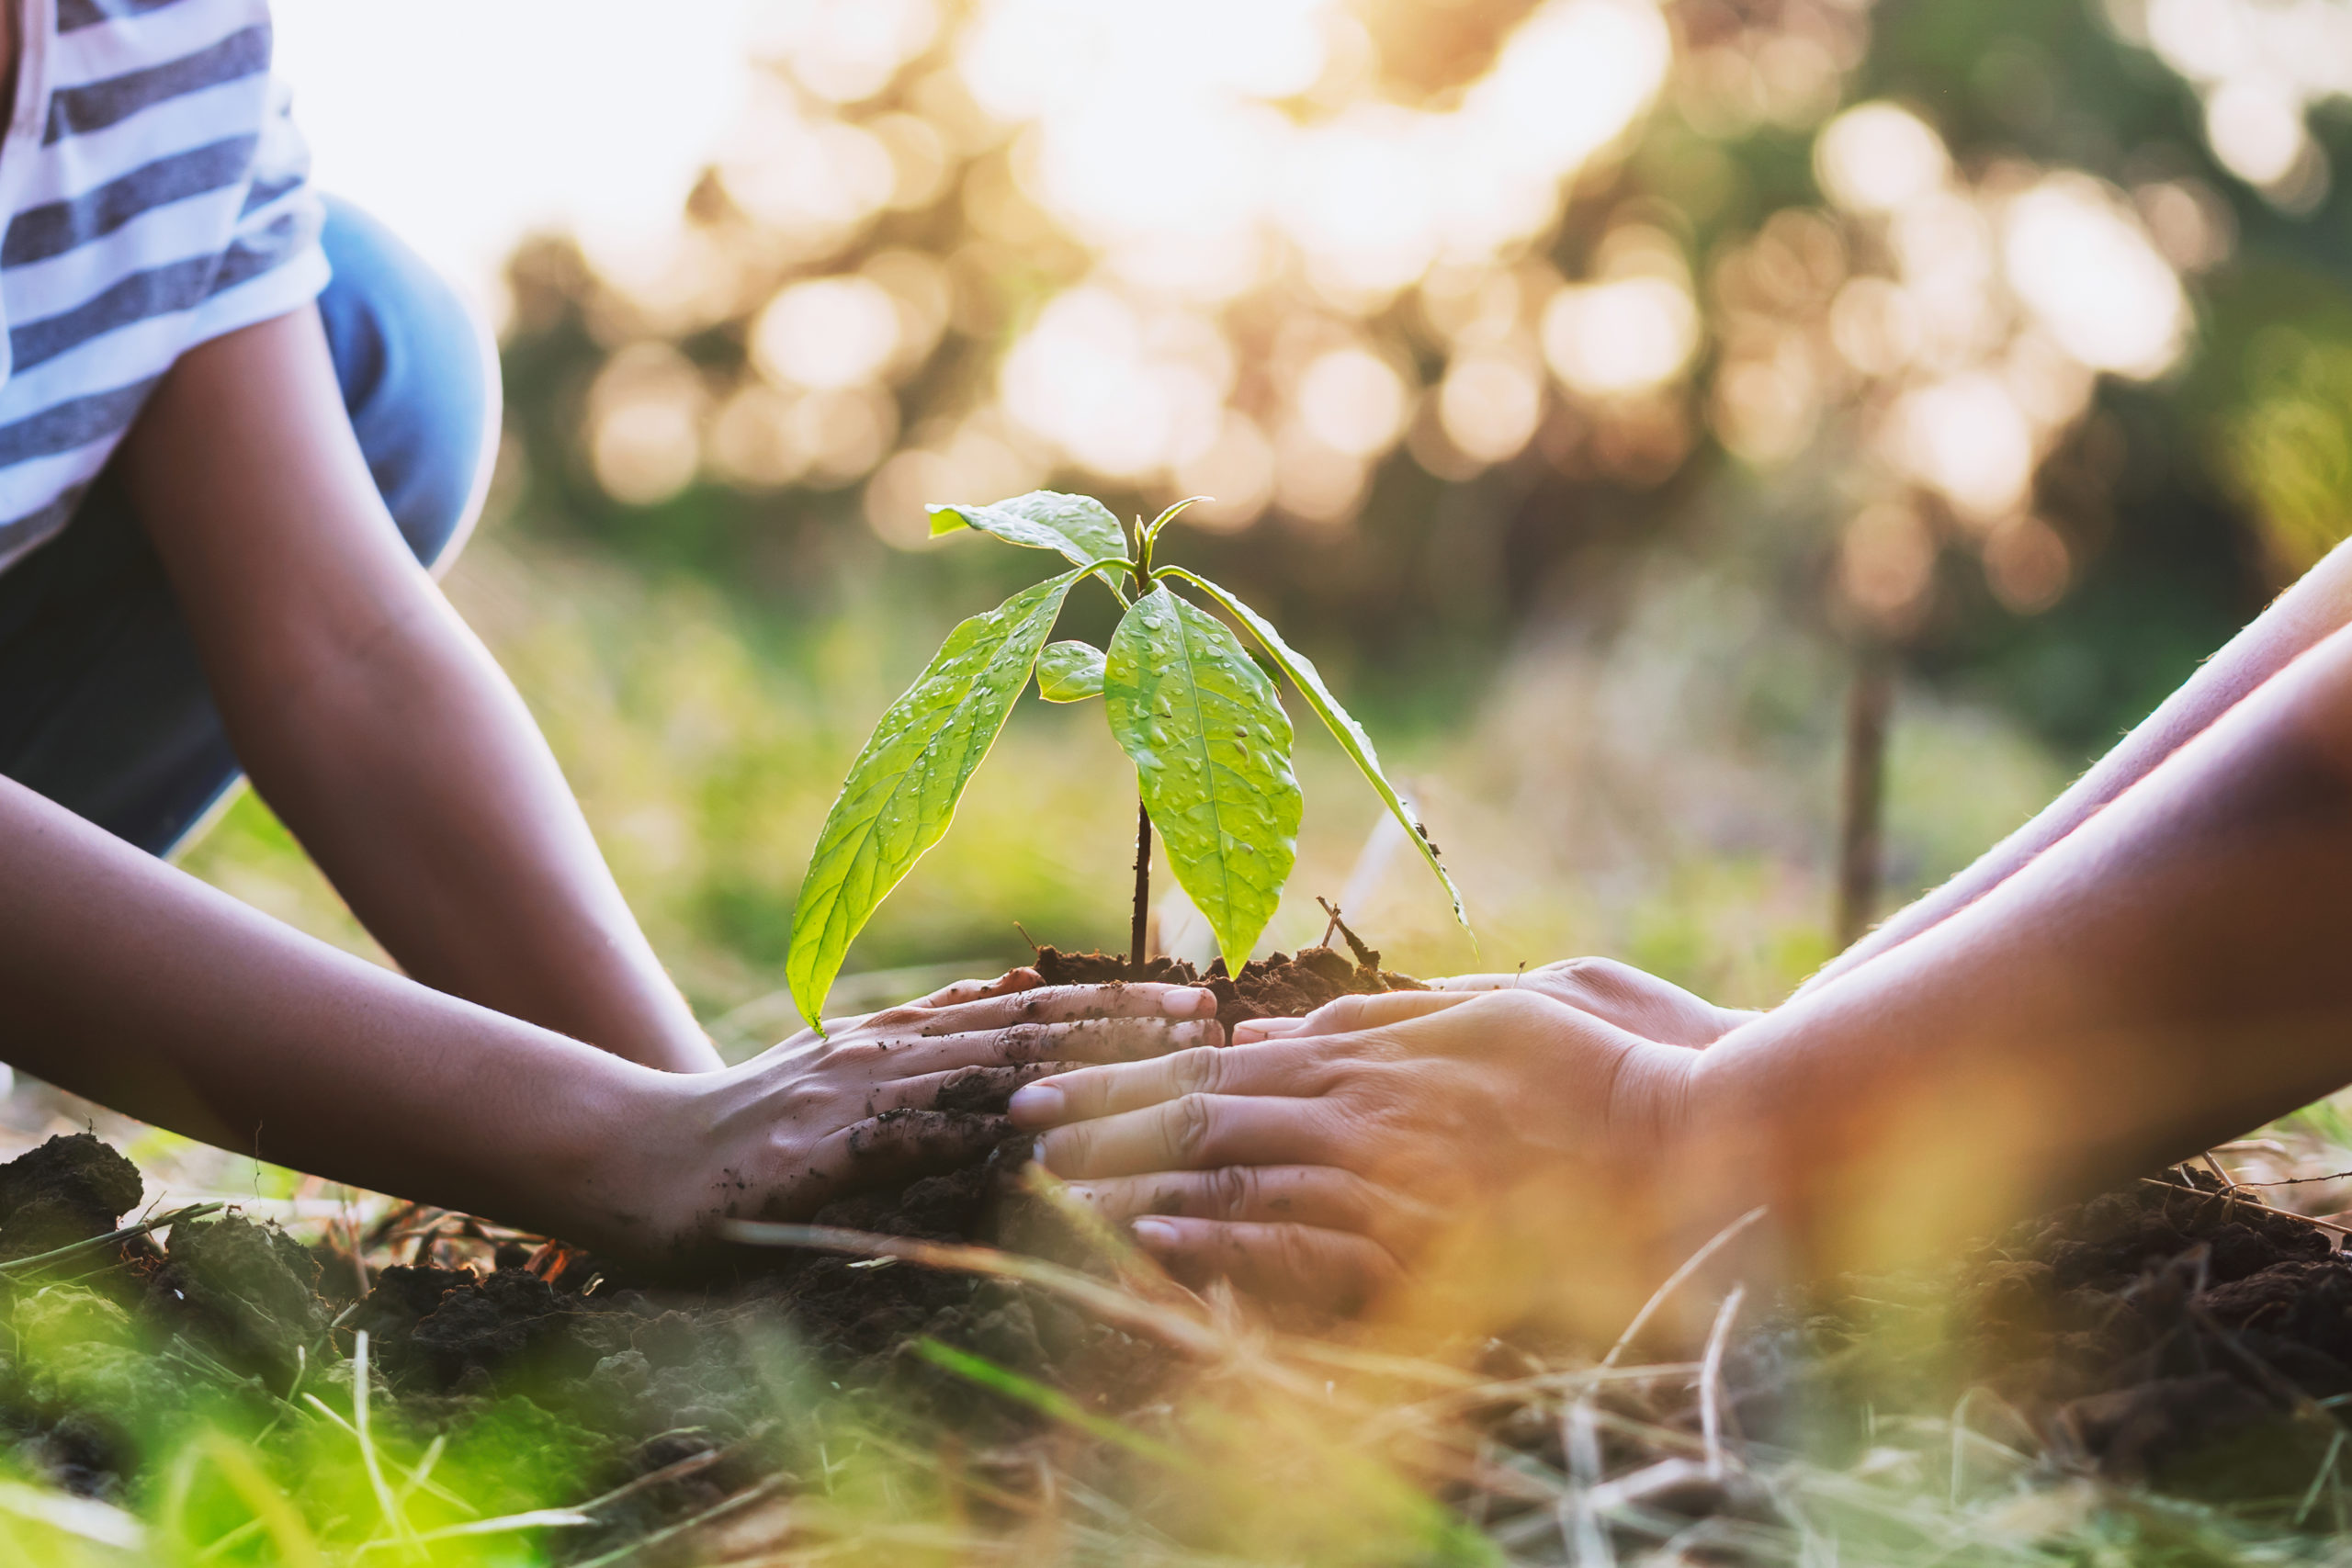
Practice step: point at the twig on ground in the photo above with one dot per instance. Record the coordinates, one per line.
(1366, 957)
(1674, 1281)
(717, 1510)
(2249, 1203)
(1711, 1380)
(99, 1243)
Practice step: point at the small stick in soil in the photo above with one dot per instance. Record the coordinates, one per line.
(1367, 957)
(1136, 926)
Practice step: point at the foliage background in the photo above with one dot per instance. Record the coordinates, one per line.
(1579, 385)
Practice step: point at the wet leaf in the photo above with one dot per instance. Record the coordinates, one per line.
(1211, 747)
(1069, 672)
(901, 792)
(1078, 526)
(1343, 727)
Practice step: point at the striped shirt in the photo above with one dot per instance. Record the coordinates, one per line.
(155, 195)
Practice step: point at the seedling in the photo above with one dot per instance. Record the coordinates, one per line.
(1194, 710)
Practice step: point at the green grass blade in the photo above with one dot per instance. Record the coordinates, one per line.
(901, 792)
(1051, 1402)
(1077, 526)
(1069, 672)
(1343, 727)
(1211, 745)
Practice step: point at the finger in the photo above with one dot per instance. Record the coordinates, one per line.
(1313, 1195)
(1477, 982)
(980, 1089)
(1197, 1132)
(1012, 980)
(1347, 1014)
(1050, 1004)
(1278, 1262)
(892, 1149)
(1019, 1045)
(1272, 1067)
(1250, 1031)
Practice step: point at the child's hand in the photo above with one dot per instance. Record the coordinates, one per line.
(892, 1096)
(1316, 1159)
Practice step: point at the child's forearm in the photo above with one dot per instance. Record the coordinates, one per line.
(130, 981)
(2170, 974)
(412, 772)
(2311, 610)
(369, 717)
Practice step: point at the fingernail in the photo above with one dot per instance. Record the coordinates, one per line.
(1157, 1234)
(1035, 1103)
(1037, 1153)
(1188, 1001)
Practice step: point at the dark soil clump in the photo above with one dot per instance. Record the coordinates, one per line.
(1282, 986)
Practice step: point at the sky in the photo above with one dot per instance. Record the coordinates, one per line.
(467, 123)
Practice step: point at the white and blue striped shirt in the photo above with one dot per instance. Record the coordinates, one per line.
(156, 195)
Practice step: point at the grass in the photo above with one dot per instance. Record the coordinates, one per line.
(1665, 800)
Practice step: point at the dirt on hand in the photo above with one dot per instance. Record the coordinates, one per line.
(2171, 1332)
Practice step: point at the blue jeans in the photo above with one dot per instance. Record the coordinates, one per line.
(103, 707)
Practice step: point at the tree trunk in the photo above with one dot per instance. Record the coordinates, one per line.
(1863, 795)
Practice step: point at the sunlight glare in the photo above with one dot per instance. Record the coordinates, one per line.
(1620, 336)
(2082, 261)
(826, 333)
(1967, 438)
(1878, 157)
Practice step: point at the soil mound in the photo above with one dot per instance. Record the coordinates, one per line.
(1281, 986)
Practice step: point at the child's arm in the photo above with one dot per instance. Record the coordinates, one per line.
(131, 982)
(368, 715)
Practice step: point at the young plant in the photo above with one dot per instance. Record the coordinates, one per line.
(1194, 709)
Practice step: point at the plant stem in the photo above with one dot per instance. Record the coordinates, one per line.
(1143, 886)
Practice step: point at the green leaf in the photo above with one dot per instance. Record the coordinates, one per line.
(1211, 747)
(902, 791)
(1077, 526)
(1151, 534)
(1350, 734)
(1069, 672)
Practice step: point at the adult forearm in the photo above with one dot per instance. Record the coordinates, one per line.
(408, 766)
(2314, 607)
(2169, 974)
(135, 984)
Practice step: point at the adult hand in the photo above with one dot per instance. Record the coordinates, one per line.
(1318, 1158)
(891, 1096)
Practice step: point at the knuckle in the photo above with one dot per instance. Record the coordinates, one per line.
(1196, 1071)
(1343, 1013)
(1024, 1041)
(888, 1020)
(1231, 1189)
(1191, 1119)
(1294, 1252)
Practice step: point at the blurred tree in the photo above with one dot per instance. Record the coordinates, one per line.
(2006, 341)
